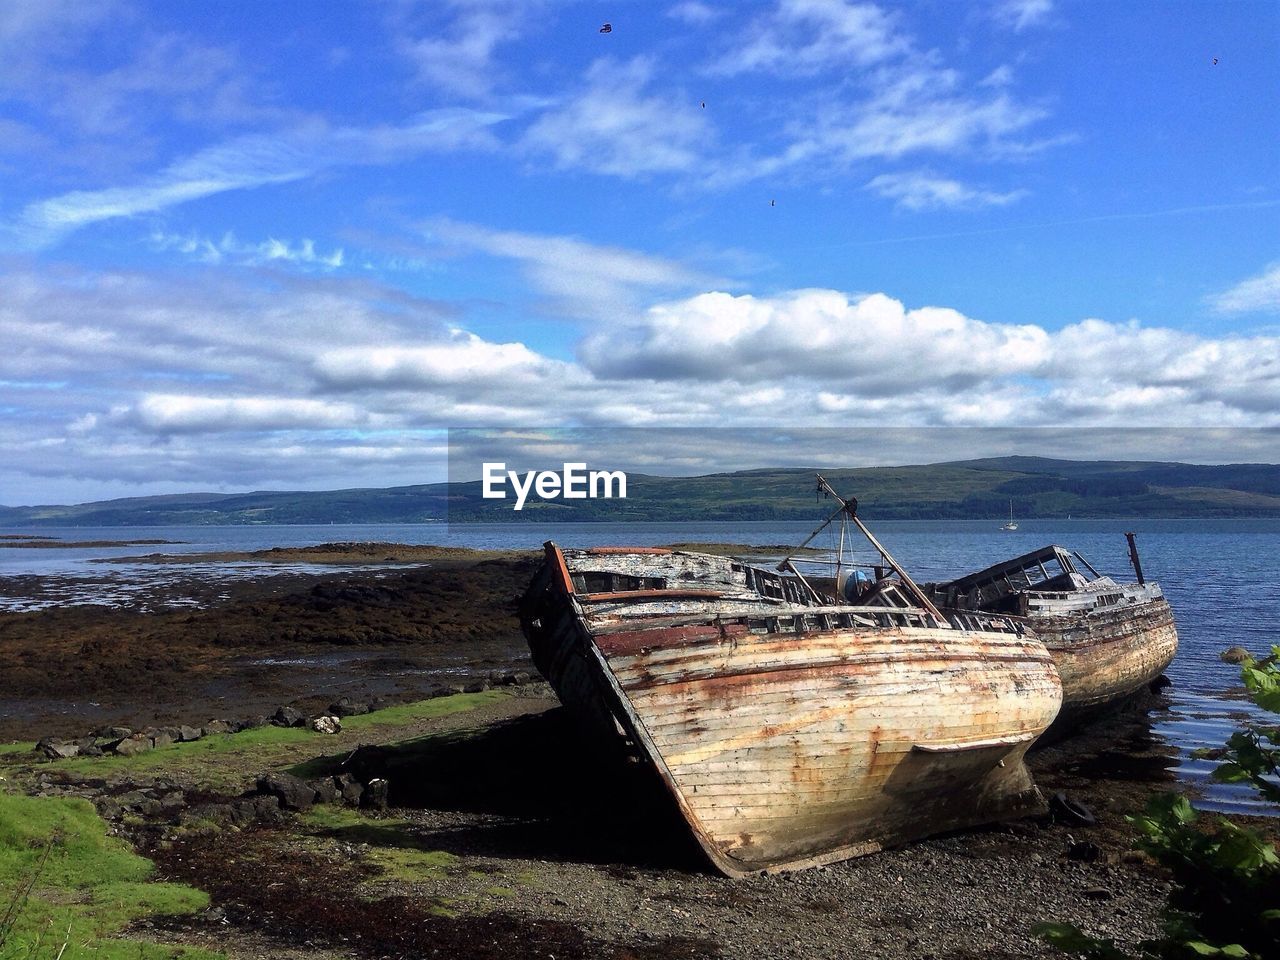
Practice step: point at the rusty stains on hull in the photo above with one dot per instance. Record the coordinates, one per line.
(788, 729)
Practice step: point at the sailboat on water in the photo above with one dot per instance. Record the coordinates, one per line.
(1011, 525)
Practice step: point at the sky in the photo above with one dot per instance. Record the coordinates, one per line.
(290, 245)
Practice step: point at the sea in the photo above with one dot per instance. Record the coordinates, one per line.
(1222, 578)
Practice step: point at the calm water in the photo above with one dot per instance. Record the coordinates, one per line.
(1222, 578)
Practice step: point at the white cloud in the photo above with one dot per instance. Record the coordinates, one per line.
(464, 360)
(694, 13)
(614, 126)
(247, 377)
(921, 190)
(171, 413)
(1256, 294)
(1021, 14)
(805, 36)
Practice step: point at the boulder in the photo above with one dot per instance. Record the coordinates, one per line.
(130, 746)
(288, 717)
(58, 749)
(1234, 655)
(113, 733)
(187, 734)
(293, 793)
(326, 790)
(375, 795)
(216, 726)
(329, 725)
(161, 738)
(346, 707)
(514, 679)
(349, 788)
(476, 686)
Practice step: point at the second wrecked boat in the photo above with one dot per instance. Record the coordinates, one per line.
(791, 729)
(1109, 640)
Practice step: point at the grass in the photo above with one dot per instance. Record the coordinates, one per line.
(224, 761)
(395, 848)
(16, 748)
(64, 880)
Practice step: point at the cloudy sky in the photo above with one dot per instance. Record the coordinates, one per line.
(287, 245)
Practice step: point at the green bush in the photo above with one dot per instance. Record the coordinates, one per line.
(1226, 899)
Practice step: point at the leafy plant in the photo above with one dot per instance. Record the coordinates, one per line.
(1226, 900)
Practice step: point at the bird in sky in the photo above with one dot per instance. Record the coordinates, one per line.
(773, 203)
(1215, 61)
(704, 103)
(606, 28)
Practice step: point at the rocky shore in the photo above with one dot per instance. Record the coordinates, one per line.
(453, 810)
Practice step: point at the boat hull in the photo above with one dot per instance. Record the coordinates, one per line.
(1107, 657)
(787, 750)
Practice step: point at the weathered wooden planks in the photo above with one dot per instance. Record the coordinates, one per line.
(787, 749)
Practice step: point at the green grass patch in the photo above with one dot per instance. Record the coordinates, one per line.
(394, 846)
(422, 710)
(64, 879)
(225, 761)
(6, 748)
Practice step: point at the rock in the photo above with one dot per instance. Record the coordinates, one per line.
(216, 726)
(1234, 655)
(375, 795)
(1084, 851)
(1098, 893)
(476, 686)
(326, 790)
(108, 809)
(92, 750)
(267, 808)
(346, 707)
(130, 746)
(378, 703)
(113, 733)
(349, 788)
(161, 738)
(293, 794)
(188, 734)
(173, 800)
(288, 717)
(329, 725)
(57, 749)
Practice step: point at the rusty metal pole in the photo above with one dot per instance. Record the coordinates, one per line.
(1133, 558)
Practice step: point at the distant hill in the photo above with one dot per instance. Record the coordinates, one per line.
(969, 489)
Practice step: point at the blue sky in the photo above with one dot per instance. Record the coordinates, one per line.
(250, 245)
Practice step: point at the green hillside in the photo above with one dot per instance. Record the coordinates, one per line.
(972, 489)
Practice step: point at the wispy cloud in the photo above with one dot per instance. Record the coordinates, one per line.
(229, 248)
(452, 44)
(249, 162)
(615, 125)
(1256, 294)
(922, 190)
(584, 280)
(805, 36)
(1022, 14)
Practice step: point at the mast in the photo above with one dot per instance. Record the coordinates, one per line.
(849, 508)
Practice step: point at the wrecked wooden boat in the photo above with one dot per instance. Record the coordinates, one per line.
(1111, 641)
(792, 729)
